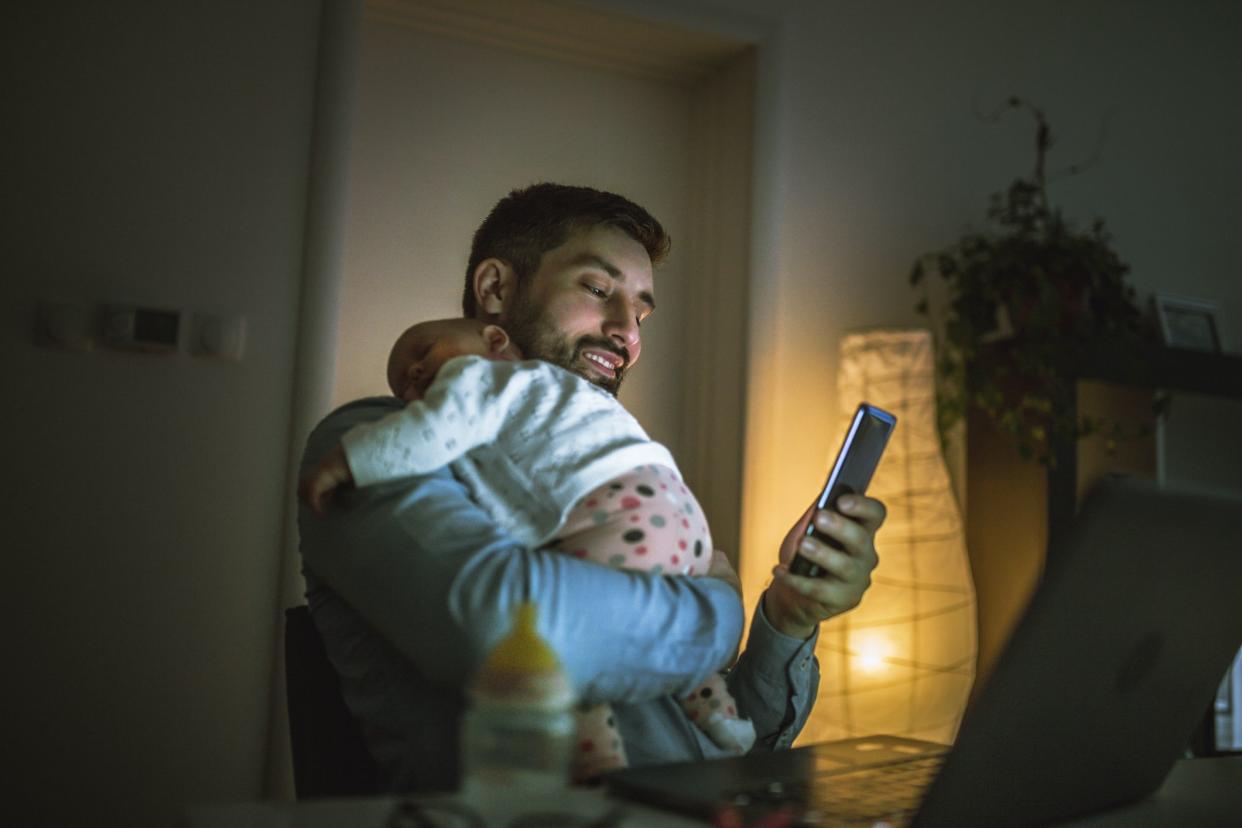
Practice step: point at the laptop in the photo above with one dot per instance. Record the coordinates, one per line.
(1113, 665)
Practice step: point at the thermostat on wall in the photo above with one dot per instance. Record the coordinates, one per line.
(142, 329)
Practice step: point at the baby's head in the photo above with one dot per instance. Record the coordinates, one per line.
(419, 352)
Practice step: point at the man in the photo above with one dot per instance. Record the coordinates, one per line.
(411, 583)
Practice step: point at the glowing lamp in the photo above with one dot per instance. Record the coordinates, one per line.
(903, 661)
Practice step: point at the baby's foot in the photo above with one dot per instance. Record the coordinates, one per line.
(598, 748)
(712, 709)
(733, 734)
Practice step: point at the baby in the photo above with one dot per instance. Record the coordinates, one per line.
(556, 461)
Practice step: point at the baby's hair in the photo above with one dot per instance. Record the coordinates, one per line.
(397, 353)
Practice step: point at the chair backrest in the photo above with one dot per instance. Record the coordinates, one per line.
(329, 755)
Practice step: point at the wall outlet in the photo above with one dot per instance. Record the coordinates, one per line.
(217, 335)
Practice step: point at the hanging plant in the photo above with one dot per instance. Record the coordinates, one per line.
(1026, 297)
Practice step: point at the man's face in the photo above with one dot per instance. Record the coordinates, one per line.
(582, 308)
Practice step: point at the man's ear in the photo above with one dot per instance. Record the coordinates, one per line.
(495, 285)
(496, 338)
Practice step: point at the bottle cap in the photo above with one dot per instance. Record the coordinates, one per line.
(523, 650)
(523, 669)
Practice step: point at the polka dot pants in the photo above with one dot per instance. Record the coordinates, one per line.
(646, 520)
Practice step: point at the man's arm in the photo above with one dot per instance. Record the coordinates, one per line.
(774, 682)
(431, 572)
(777, 676)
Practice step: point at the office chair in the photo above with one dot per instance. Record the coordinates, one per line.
(329, 755)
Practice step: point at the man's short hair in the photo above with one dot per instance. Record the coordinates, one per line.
(529, 222)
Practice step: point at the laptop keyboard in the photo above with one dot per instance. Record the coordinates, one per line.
(886, 794)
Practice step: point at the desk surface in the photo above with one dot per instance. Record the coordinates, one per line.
(1199, 792)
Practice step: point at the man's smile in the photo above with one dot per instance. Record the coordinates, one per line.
(606, 363)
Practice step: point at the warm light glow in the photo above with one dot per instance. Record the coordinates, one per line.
(903, 661)
(871, 653)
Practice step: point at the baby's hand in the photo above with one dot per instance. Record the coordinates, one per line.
(318, 484)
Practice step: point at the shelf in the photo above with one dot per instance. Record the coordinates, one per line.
(1144, 364)
(1016, 509)
(1172, 369)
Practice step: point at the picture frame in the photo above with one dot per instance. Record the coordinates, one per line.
(1188, 323)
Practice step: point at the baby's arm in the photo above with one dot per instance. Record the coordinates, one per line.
(425, 435)
(465, 407)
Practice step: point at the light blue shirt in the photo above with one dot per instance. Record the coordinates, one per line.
(411, 584)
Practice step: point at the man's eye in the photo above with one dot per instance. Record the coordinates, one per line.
(600, 292)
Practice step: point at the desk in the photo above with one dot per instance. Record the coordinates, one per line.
(1199, 792)
(374, 813)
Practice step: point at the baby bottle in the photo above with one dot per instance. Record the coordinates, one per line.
(518, 731)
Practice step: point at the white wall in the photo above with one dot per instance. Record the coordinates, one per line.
(1201, 444)
(445, 128)
(158, 156)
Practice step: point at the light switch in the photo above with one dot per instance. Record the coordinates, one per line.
(70, 326)
(220, 336)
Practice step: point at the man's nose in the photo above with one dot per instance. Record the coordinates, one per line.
(622, 328)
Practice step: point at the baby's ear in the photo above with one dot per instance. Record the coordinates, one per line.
(497, 340)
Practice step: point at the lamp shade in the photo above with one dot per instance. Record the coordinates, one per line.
(903, 661)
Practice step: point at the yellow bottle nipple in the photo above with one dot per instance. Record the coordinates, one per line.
(523, 650)
(523, 668)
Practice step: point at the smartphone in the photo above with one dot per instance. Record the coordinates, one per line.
(851, 472)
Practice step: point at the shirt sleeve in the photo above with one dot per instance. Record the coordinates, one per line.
(775, 682)
(430, 571)
(466, 406)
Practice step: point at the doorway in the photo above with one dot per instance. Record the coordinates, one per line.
(458, 103)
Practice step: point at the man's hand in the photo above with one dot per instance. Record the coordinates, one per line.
(796, 604)
(317, 486)
(719, 567)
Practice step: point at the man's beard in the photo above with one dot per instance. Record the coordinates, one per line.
(538, 338)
